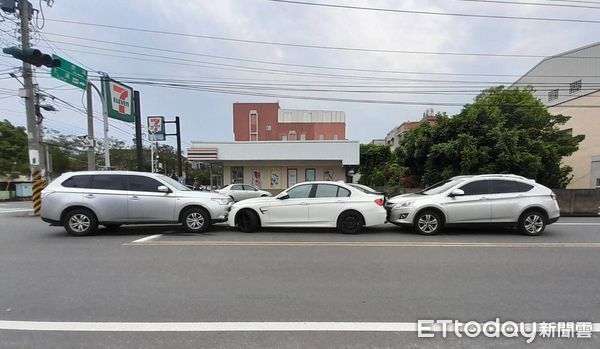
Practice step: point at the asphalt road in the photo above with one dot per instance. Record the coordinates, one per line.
(301, 288)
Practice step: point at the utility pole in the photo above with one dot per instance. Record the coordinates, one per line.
(91, 152)
(179, 169)
(36, 156)
(138, 131)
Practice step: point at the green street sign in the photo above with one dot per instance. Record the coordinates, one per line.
(118, 100)
(70, 73)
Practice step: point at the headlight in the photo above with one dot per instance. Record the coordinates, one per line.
(404, 204)
(222, 201)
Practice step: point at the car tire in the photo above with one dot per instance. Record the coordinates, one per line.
(195, 220)
(80, 222)
(350, 223)
(428, 223)
(532, 223)
(112, 227)
(247, 221)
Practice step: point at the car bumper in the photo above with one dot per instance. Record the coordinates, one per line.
(400, 216)
(222, 214)
(51, 221)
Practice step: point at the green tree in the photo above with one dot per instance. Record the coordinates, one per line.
(373, 160)
(503, 131)
(13, 147)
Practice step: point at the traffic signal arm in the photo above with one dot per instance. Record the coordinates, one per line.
(32, 56)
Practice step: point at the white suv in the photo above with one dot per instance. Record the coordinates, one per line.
(80, 201)
(506, 200)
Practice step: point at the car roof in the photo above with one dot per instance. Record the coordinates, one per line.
(494, 175)
(111, 173)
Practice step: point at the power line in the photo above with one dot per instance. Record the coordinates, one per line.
(275, 43)
(129, 45)
(230, 67)
(433, 13)
(534, 4)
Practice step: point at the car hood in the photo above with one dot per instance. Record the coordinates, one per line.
(406, 197)
(262, 199)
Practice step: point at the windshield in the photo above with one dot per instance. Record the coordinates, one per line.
(173, 183)
(440, 187)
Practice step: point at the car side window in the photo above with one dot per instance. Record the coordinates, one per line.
(236, 187)
(142, 183)
(343, 192)
(326, 191)
(300, 192)
(503, 186)
(80, 181)
(524, 187)
(476, 188)
(249, 188)
(109, 182)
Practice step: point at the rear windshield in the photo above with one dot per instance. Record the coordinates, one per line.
(364, 188)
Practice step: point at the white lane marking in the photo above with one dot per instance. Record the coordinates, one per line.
(221, 326)
(369, 244)
(575, 223)
(13, 210)
(147, 238)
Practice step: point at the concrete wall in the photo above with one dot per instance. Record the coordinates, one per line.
(578, 202)
(586, 121)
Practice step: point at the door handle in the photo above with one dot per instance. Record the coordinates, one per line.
(89, 196)
(303, 203)
(135, 197)
(340, 201)
(483, 198)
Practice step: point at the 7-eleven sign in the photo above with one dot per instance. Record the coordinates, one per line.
(156, 127)
(119, 100)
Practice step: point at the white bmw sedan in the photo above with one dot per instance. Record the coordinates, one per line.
(311, 204)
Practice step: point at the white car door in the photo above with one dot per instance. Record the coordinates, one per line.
(146, 203)
(250, 192)
(326, 205)
(292, 209)
(473, 207)
(505, 200)
(237, 192)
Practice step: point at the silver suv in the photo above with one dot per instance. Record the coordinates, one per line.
(80, 201)
(506, 200)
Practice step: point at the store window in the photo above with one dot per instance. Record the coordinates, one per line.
(237, 174)
(310, 174)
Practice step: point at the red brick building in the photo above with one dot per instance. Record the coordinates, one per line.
(268, 122)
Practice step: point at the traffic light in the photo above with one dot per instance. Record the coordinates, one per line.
(32, 56)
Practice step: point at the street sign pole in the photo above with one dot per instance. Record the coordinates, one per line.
(105, 120)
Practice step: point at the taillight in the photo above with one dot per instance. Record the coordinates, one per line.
(379, 202)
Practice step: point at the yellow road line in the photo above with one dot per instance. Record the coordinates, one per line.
(366, 244)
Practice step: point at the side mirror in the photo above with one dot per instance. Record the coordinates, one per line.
(457, 192)
(163, 189)
(283, 197)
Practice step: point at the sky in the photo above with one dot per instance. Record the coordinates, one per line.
(211, 73)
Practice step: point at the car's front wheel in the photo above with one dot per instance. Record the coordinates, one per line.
(80, 222)
(532, 223)
(247, 221)
(428, 223)
(195, 220)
